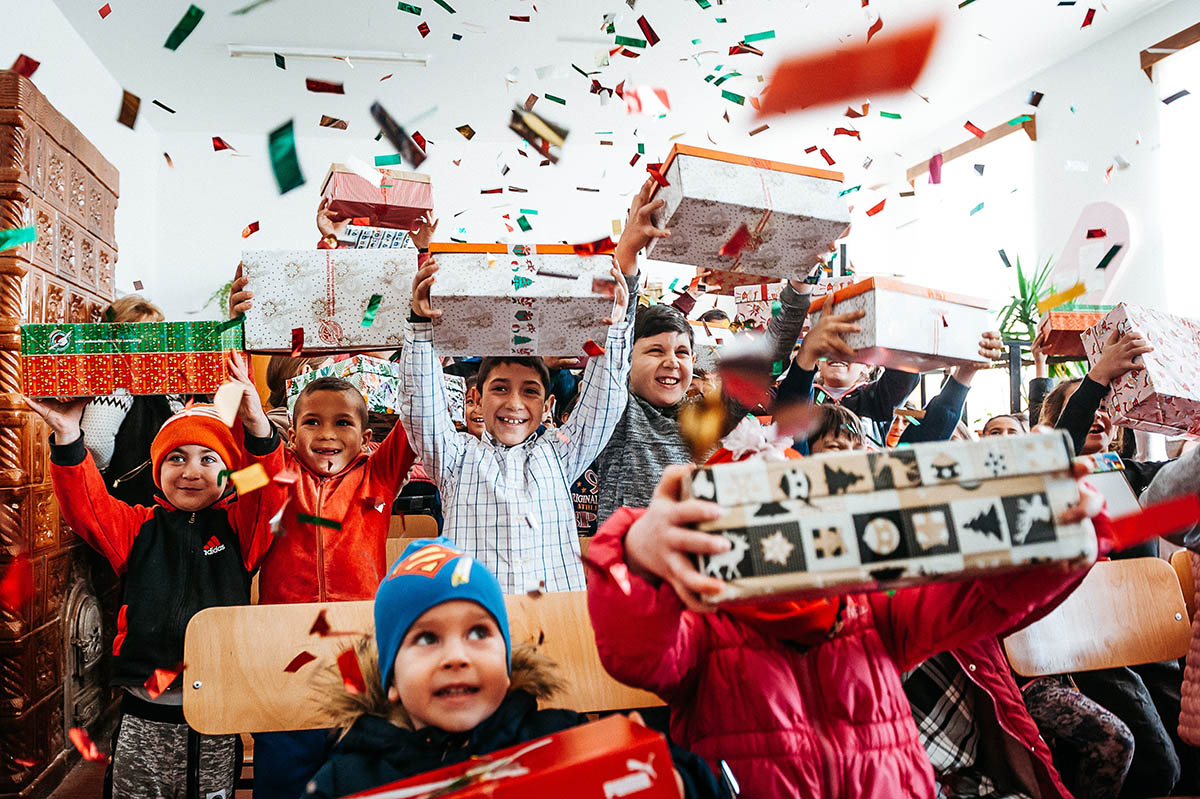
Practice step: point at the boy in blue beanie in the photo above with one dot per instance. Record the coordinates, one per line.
(444, 683)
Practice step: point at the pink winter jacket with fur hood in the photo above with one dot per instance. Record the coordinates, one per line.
(826, 721)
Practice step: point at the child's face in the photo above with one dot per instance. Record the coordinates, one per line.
(327, 432)
(513, 402)
(189, 477)
(473, 413)
(1002, 426)
(840, 374)
(451, 670)
(835, 442)
(662, 368)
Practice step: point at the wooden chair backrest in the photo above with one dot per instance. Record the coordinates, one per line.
(1125, 612)
(1181, 562)
(413, 525)
(234, 679)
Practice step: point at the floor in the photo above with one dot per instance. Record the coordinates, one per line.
(86, 781)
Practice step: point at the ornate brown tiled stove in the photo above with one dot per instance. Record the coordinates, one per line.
(54, 653)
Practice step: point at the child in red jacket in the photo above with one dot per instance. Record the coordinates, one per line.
(195, 549)
(798, 698)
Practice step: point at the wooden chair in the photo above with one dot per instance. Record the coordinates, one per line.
(1124, 613)
(1181, 562)
(234, 680)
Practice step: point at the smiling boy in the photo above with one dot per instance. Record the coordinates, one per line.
(506, 495)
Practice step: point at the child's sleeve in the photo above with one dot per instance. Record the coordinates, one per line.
(796, 386)
(644, 637)
(251, 513)
(941, 415)
(603, 394)
(105, 523)
(879, 399)
(394, 459)
(101, 421)
(424, 408)
(1175, 479)
(1079, 414)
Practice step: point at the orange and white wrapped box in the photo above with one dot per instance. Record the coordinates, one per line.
(1060, 331)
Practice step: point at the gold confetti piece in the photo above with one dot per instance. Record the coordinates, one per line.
(1061, 298)
(252, 478)
(467, 131)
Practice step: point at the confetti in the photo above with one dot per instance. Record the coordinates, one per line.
(333, 122)
(877, 208)
(423, 29)
(444, 5)
(1108, 256)
(184, 27)
(1061, 298)
(105, 10)
(284, 161)
(1004, 258)
(324, 86)
(540, 133)
(351, 672)
(249, 230)
(554, 99)
(935, 169)
(160, 680)
(286, 477)
(627, 41)
(875, 28)
(24, 65)
(1097, 233)
(16, 583)
(137, 286)
(828, 158)
(892, 65)
(1020, 120)
(523, 223)
(975, 130)
(250, 479)
(220, 144)
(889, 115)
(853, 114)
(976, 210)
(592, 348)
(1035, 99)
(647, 31)
(85, 746)
(467, 131)
(850, 190)
(128, 114)
(372, 309)
(15, 237)
(280, 62)
(741, 48)
(299, 662)
(401, 141)
(409, 8)
(305, 518)
(1088, 17)
(847, 132)
(248, 8)
(620, 575)
(760, 129)
(979, 169)
(598, 247)
(297, 341)
(733, 98)
(1177, 95)
(166, 108)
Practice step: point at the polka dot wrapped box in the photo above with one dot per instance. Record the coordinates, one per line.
(739, 214)
(849, 522)
(1164, 397)
(87, 360)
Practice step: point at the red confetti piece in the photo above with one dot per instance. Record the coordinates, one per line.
(361, 220)
(320, 626)
(847, 132)
(83, 742)
(1150, 522)
(323, 86)
(351, 672)
(1087, 19)
(647, 31)
(975, 130)
(655, 171)
(737, 242)
(935, 169)
(892, 65)
(419, 139)
(875, 28)
(423, 28)
(561, 436)
(297, 341)
(16, 584)
(850, 112)
(287, 477)
(619, 91)
(876, 209)
(518, 19)
(828, 158)
(220, 144)
(137, 285)
(105, 10)
(742, 48)
(249, 230)
(598, 247)
(592, 348)
(25, 65)
(299, 662)
(809, 150)
(1097, 233)
(620, 574)
(161, 679)
(385, 77)
(24, 763)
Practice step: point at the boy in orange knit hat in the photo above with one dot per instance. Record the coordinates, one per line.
(195, 549)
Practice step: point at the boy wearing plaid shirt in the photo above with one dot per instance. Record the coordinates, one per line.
(507, 494)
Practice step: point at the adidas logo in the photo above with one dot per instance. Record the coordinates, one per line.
(213, 546)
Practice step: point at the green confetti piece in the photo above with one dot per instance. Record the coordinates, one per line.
(976, 209)
(697, 41)
(523, 223)
(758, 37)
(888, 115)
(1020, 120)
(388, 160)
(965, 3)
(629, 41)
(724, 78)
(1108, 256)
(184, 27)
(279, 62)
(733, 98)
(305, 518)
(409, 8)
(372, 309)
(641, 148)
(444, 5)
(702, 4)
(285, 164)
(552, 98)
(529, 211)
(1004, 258)
(850, 190)
(221, 475)
(17, 236)
(721, 20)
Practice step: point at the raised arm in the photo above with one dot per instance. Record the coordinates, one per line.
(943, 411)
(102, 419)
(1120, 356)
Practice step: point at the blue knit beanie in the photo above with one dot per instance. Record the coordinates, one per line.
(430, 572)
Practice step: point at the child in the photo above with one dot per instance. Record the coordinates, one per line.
(506, 496)
(194, 550)
(444, 684)
(801, 698)
(1005, 425)
(647, 438)
(837, 428)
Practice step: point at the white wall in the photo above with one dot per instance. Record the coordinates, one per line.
(79, 86)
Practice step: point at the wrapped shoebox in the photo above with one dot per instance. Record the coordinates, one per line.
(376, 379)
(1107, 476)
(326, 293)
(1060, 330)
(770, 218)
(85, 360)
(909, 327)
(1164, 396)
(753, 303)
(849, 522)
(361, 237)
(397, 203)
(606, 759)
(519, 300)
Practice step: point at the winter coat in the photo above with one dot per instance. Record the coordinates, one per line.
(316, 563)
(830, 720)
(380, 746)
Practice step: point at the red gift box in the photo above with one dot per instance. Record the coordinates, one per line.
(98, 374)
(606, 759)
(1060, 331)
(398, 203)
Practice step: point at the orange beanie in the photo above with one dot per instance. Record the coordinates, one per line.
(199, 424)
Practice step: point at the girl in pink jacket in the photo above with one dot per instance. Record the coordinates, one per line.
(800, 699)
